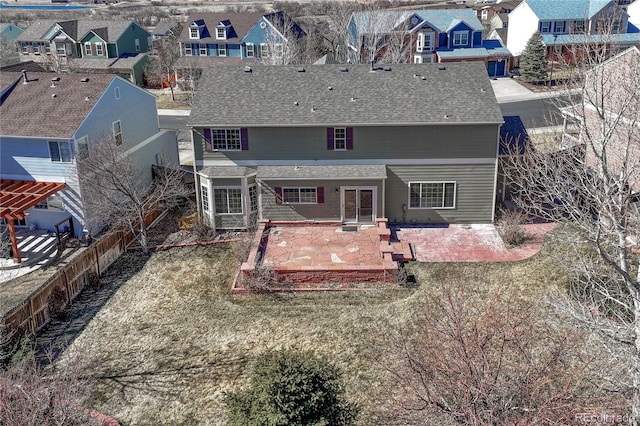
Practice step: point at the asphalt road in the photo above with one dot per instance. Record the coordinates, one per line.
(537, 112)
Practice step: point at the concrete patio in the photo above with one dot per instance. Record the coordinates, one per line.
(36, 249)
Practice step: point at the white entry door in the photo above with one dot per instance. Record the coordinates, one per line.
(358, 204)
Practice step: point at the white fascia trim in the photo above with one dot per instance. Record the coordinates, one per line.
(351, 124)
(361, 162)
(264, 179)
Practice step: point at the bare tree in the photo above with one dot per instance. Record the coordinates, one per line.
(284, 43)
(115, 189)
(589, 182)
(473, 357)
(380, 36)
(334, 32)
(164, 54)
(8, 52)
(32, 395)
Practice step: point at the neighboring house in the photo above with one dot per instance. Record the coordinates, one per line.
(162, 29)
(413, 143)
(229, 38)
(8, 34)
(612, 125)
(570, 23)
(486, 12)
(634, 16)
(49, 120)
(58, 43)
(499, 26)
(427, 36)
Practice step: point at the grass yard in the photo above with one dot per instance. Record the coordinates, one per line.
(172, 338)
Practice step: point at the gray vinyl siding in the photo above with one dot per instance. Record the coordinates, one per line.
(474, 193)
(374, 142)
(329, 210)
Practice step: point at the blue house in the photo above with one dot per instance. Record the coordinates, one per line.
(230, 38)
(427, 36)
(50, 120)
(8, 34)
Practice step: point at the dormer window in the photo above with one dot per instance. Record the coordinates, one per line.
(460, 38)
(221, 33)
(194, 33)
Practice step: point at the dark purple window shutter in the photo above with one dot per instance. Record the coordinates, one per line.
(349, 138)
(278, 195)
(207, 140)
(320, 194)
(330, 138)
(244, 139)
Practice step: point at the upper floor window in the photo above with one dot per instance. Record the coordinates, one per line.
(545, 27)
(432, 195)
(615, 26)
(100, 49)
(194, 33)
(60, 49)
(202, 50)
(87, 48)
(226, 139)
(187, 49)
(222, 49)
(117, 132)
(250, 50)
(83, 147)
(278, 49)
(26, 46)
(560, 26)
(221, 33)
(578, 26)
(60, 152)
(340, 139)
(460, 38)
(264, 50)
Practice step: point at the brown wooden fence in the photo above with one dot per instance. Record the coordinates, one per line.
(33, 313)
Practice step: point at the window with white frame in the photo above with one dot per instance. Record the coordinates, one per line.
(202, 50)
(60, 49)
(560, 26)
(53, 203)
(250, 50)
(253, 198)
(417, 59)
(222, 49)
(60, 152)
(137, 42)
(100, 49)
(117, 132)
(545, 27)
(227, 200)
(278, 49)
(226, 139)
(221, 33)
(460, 38)
(432, 195)
(578, 26)
(26, 46)
(264, 50)
(300, 195)
(47, 48)
(194, 33)
(83, 147)
(339, 139)
(615, 26)
(187, 49)
(484, 14)
(87, 48)
(204, 196)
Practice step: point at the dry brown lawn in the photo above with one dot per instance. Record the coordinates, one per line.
(172, 339)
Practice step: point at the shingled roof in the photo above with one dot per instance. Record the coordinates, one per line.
(31, 110)
(241, 22)
(401, 94)
(110, 31)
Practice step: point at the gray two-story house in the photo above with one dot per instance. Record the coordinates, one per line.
(413, 143)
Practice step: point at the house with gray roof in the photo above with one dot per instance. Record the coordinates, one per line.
(60, 44)
(412, 143)
(424, 36)
(50, 120)
(570, 24)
